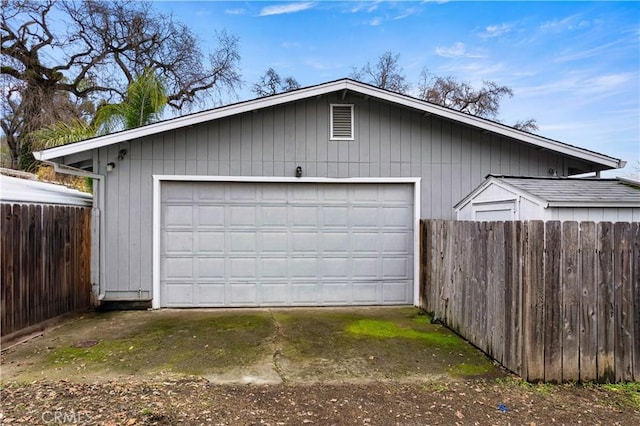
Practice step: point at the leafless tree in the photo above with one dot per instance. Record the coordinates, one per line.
(101, 48)
(271, 83)
(385, 74)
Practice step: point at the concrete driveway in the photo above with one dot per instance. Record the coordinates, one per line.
(260, 346)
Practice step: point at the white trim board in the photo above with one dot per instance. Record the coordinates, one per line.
(323, 89)
(156, 237)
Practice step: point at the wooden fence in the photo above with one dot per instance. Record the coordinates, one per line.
(551, 301)
(45, 264)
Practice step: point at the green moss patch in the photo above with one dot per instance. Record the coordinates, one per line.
(175, 343)
(387, 329)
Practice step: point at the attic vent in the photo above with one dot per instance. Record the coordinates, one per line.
(341, 122)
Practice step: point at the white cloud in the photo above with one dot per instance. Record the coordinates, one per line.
(496, 30)
(458, 50)
(569, 23)
(238, 11)
(608, 82)
(281, 9)
(375, 21)
(569, 55)
(406, 13)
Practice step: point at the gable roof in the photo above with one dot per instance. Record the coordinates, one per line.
(567, 191)
(344, 85)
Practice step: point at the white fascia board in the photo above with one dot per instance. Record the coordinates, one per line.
(283, 179)
(462, 203)
(595, 204)
(345, 84)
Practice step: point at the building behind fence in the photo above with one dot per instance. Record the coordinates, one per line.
(552, 301)
(45, 269)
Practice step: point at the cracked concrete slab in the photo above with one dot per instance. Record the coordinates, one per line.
(250, 346)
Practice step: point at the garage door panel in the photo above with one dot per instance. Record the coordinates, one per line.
(243, 294)
(177, 193)
(274, 267)
(210, 216)
(209, 242)
(365, 242)
(334, 216)
(364, 217)
(366, 293)
(242, 268)
(283, 244)
(337, 267)
(364, 268)
(335, 243)
(211, 294)
(303, 268)
(210, 267)
(304, 216)
(396, 216)
(335, 193)
(396, 242)
(178, 242)
(242, 216)
(275, 294)
(305, 242)
(274, 216)
(274, 242)
(242, 242)
(242, 192)
(178, 215)
(178, 294)
(337, 293)
(367, 193)
(305, 293)
(178, 267)
(394, 292)
(395, 267)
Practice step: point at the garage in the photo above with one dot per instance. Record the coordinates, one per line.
(292, 243)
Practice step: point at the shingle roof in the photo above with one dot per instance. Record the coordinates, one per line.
(559, 191)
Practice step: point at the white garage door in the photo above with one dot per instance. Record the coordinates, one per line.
(285, 244)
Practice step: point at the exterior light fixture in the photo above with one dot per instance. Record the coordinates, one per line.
(111, 166)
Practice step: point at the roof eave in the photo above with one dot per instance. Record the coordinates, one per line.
(595, 204)
(344, 84)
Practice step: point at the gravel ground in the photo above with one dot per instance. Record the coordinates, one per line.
(195, 401)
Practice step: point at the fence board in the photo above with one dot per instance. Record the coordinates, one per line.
(588, 303)
(623, 302)
(533, 281)
(605, 361)
(635, 282)
(45, 263)
(570, 289)
(552, 304)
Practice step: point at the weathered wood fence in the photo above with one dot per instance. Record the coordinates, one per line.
(550, 301)
(45, 265)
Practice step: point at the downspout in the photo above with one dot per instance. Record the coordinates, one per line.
(68, 170)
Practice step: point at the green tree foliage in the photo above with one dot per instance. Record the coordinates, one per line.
(145, 100)
(51, 72)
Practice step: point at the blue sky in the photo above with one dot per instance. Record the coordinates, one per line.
(573, 66)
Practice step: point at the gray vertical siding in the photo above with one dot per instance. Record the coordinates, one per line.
(389, 141)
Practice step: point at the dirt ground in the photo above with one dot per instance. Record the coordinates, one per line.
(377, 366)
